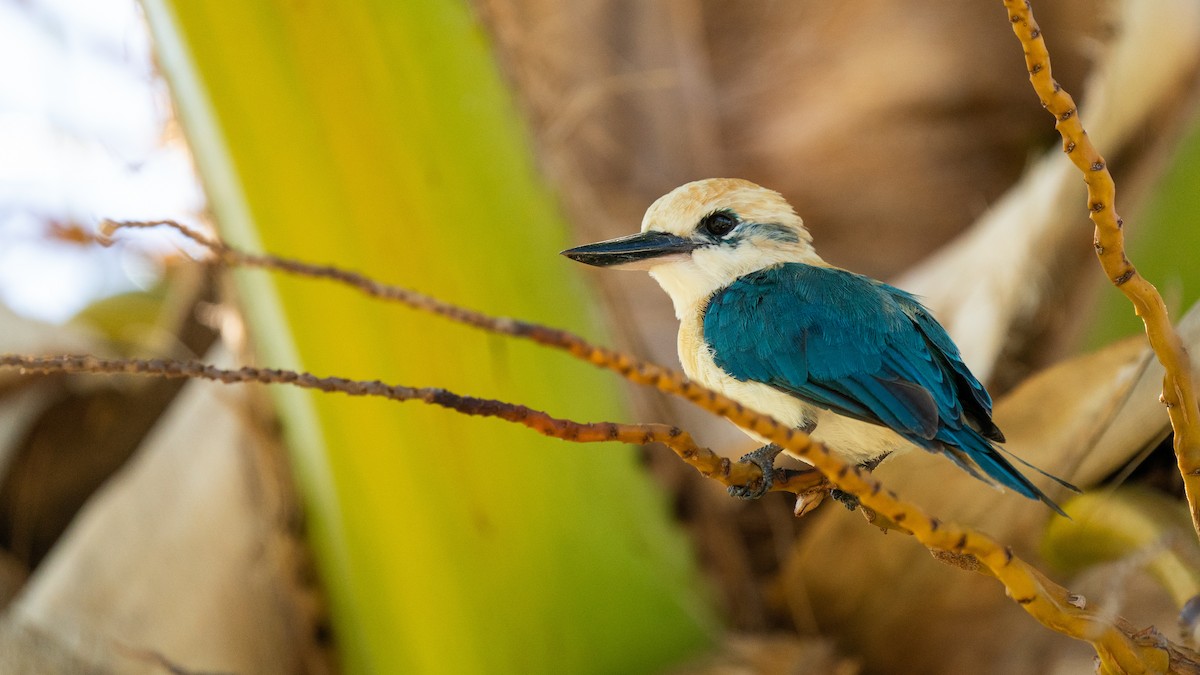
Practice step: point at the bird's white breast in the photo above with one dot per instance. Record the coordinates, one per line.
(854, 440)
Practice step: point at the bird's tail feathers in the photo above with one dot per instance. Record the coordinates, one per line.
(986, 455)
(966, 463)
(1040, 470)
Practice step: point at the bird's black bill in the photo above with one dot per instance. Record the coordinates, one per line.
(632, 251)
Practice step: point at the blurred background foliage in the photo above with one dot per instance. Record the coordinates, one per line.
(455, 147)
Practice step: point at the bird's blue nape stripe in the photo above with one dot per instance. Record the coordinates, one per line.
(863, 349)
(773, 231)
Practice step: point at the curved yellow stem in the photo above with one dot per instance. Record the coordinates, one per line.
(1179, 392)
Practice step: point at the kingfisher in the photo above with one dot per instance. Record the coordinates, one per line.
(764, 320)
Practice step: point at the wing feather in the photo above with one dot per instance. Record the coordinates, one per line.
(835, 339)
(862, 349)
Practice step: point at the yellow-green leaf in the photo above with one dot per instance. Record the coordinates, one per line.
(378, 135)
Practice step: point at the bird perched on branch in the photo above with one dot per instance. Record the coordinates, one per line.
(765, 321)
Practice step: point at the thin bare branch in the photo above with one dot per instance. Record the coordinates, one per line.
(1049, 603)
(704, 460)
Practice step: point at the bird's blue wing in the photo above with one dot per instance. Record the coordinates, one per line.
(838, 340)
(862, 349)
(976, 402)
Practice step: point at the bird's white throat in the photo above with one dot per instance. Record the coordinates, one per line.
(691, 282)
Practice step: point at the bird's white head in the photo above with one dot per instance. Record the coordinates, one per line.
(702, 236)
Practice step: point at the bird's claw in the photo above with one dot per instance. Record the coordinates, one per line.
(846, 499)
(764, 459)
(849, 500)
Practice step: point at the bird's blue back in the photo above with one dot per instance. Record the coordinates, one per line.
(863, 349)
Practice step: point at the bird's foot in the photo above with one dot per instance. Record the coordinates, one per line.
(846, 499)
(764, 459)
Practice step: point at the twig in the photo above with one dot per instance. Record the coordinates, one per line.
(700, 458)
(1046, 601)
(1179, 393)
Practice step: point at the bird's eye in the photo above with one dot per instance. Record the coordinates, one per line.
(718, 223)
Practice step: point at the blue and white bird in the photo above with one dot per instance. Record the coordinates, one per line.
(765, 321)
